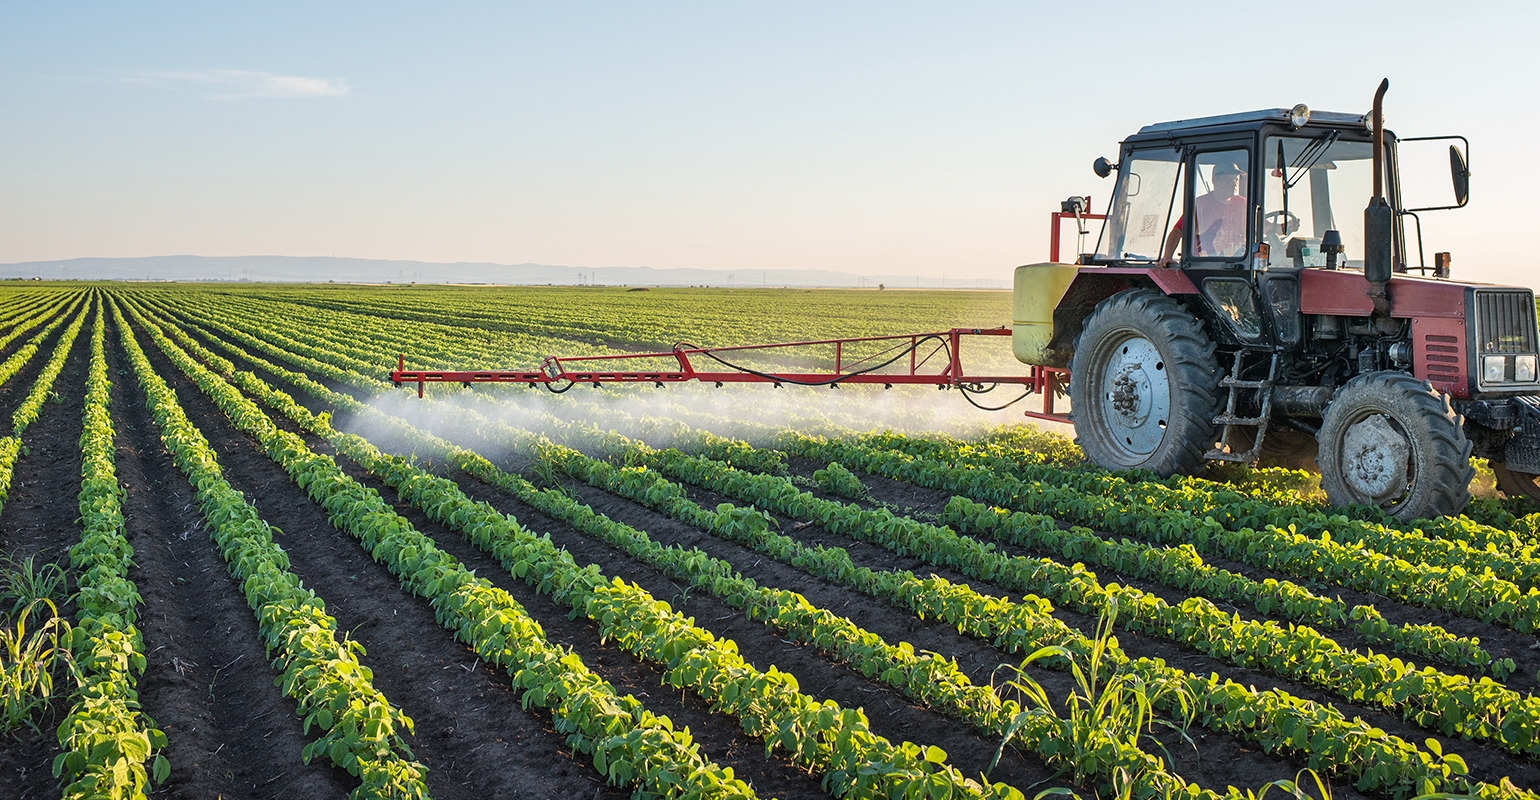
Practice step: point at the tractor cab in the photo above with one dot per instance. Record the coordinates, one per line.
(1241, 203)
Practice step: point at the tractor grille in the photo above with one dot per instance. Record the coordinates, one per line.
(1505, 322)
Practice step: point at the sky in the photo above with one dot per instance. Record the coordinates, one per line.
(877, 138)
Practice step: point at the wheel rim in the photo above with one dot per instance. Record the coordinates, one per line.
(1136, 389)
(1376, 460)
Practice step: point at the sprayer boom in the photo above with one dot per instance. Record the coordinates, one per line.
(912, 359)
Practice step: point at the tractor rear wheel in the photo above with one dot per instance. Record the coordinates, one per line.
(1517, 484)
(1144, 385)
(1391, 440)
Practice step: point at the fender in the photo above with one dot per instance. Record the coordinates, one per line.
(1095, 284)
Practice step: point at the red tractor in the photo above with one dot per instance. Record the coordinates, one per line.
(1238, 306)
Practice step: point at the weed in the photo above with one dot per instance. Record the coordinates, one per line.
(23, 582)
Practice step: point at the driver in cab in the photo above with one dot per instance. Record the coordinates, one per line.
(1219, 218)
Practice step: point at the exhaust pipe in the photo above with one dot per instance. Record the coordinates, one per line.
(1379, 222)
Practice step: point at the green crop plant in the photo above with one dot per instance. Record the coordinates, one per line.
(835, 479)
(106, 740)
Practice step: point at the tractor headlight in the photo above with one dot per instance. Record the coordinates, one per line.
(1524, 369)
(1494, 369)
(1298, 116)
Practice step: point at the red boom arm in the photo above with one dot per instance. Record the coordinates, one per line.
(919, 358)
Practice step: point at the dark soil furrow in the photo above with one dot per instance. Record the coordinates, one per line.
(7, 389)
(45, 475)
(230, 730)
(14, 391)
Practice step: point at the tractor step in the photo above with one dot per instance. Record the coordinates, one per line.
(1231, 420)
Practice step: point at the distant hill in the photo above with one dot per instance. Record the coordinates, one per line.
(364, 270)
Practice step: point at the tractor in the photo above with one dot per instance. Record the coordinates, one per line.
(1237, 307)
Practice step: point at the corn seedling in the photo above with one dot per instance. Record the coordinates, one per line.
(30, 663)
(23, 582)
(1105, 715)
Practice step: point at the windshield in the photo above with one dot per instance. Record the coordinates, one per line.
(1315, 184)
(1140, 214)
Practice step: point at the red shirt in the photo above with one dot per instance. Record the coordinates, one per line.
(1221, 225)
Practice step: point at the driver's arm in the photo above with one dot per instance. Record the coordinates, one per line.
(1173, 239)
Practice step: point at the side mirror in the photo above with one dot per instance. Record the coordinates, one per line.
(1461, 175)
(1102, 167)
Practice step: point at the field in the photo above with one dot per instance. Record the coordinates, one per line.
(277, 575)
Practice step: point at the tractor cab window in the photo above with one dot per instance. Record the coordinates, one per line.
(1313, 185)
(1220, 205)
(1140, 213)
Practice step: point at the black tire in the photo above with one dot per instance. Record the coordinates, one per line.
(1434, 479)
(1517, 484)
(1176, 439)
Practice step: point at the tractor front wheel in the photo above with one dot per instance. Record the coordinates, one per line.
(1392, 441)
(1517, 484)
(1144, 385)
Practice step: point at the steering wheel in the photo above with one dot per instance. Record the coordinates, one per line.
(1288, 219)
(1270, 224)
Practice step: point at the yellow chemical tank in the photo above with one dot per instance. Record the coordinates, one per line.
(1037, 292)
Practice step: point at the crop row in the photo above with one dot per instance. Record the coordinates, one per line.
(1485, 526)
(1321, 557)
(1178, 566)
(1481, 709)
(366, 344)
(105, 739)
(1428, 641)
(55, 317)
(28, 316)
(1448, 543)
(11, 446)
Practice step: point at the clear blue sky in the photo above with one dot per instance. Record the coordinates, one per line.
(876, 138)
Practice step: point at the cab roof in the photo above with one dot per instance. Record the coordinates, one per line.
(1263, 115)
